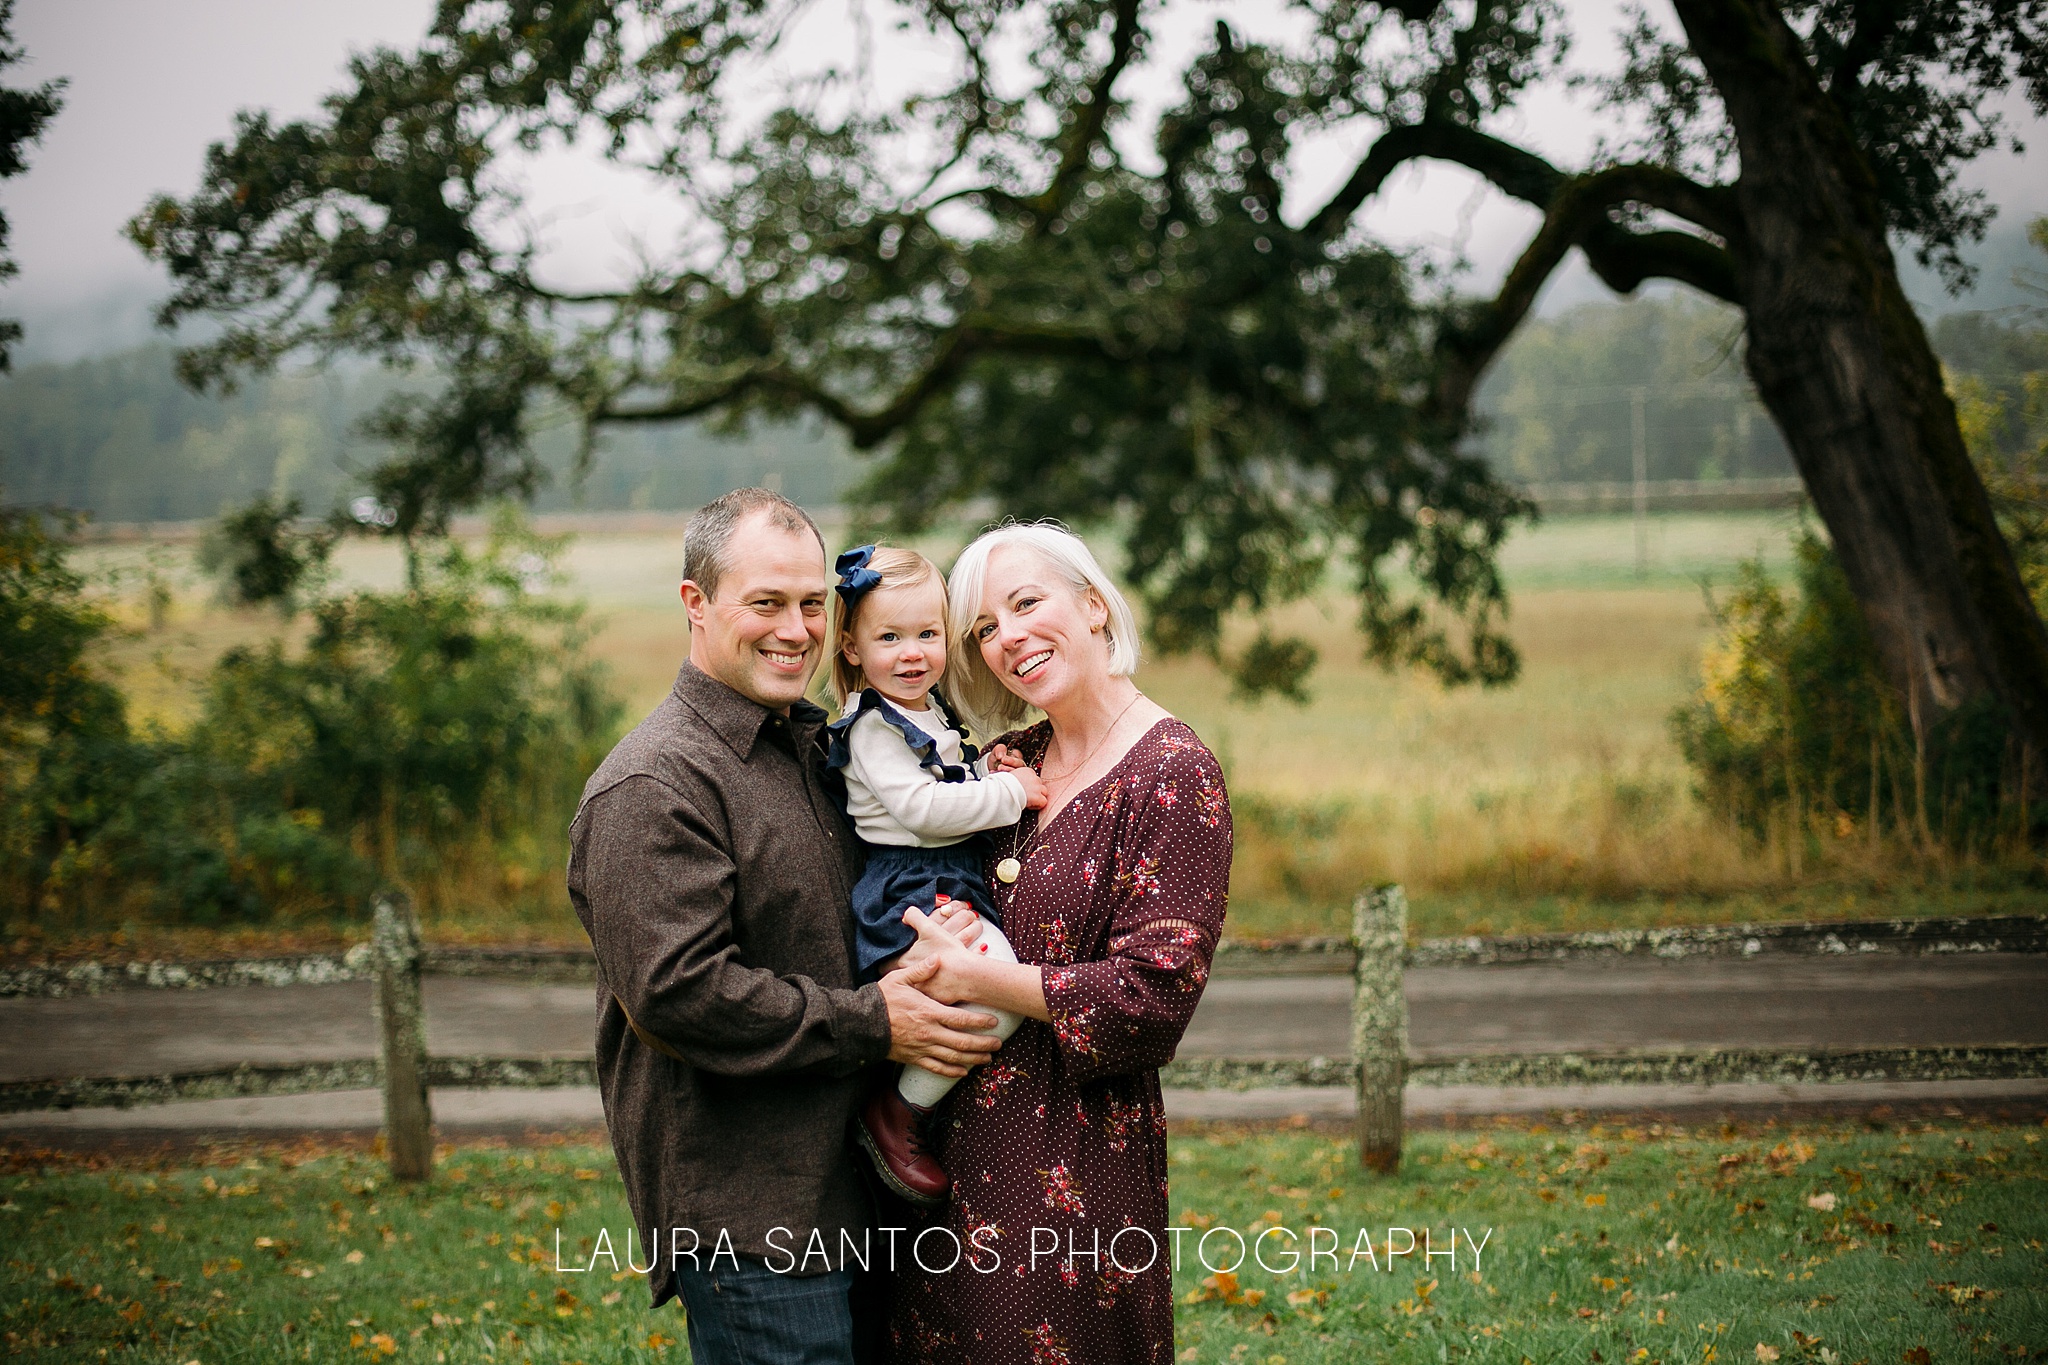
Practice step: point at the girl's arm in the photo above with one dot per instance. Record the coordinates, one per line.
(918, 801)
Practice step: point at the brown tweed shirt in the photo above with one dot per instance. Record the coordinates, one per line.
(712, 867)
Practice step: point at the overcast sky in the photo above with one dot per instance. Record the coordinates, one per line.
(152, 83)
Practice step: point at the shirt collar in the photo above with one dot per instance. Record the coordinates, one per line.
(737, 719)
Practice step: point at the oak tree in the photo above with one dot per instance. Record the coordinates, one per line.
(1001, 294)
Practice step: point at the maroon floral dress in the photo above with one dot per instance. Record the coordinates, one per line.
(1061, 1140)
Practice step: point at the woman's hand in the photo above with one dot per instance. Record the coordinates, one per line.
(936, 943)
(925, 1032)
(959, 973)
(956, 918)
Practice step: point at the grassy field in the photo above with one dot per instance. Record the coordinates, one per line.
(1818, 1243)
(1560, 802)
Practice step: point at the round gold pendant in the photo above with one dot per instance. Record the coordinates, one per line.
(1008, 870)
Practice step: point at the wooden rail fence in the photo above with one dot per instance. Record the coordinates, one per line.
(1375, 956)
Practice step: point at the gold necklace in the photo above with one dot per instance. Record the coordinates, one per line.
(1009, 869)
(1090, 757)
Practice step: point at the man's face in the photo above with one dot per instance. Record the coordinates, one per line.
(764, 631)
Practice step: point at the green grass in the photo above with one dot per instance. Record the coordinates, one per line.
(1610, 1245)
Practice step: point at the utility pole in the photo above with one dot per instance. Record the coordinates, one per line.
(1639, 435)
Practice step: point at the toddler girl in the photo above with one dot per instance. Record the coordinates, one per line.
(919, 796)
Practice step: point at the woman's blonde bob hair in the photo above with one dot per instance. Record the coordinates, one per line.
(991, 706)
(899, 568)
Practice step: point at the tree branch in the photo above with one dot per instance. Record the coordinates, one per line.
(869, 428)
(1088, 124)
(1523, 175)
(1578, 215)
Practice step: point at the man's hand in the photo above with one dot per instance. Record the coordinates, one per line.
(923, 1032)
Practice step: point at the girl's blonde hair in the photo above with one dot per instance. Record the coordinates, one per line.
(969, 684)
(899, 568)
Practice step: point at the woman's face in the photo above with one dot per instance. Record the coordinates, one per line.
(1039, 636)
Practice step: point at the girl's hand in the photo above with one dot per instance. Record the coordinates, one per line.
(1003, 759)
(1035, 794)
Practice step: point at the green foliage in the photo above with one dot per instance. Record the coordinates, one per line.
(1796, 730)
(1790, 703)
(23, 114)
(262, 556)
(408, 736)
(408, 721)
(1278, 666)
(83, 801)
(48, 625)
(1161, 345)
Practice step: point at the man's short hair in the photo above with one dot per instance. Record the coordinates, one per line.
(710, 528)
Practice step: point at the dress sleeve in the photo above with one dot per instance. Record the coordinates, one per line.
(1172, 875)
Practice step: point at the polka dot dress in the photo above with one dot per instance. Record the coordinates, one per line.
(1057, 1148)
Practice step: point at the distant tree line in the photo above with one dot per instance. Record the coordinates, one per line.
(1559, 404)
(120, 438)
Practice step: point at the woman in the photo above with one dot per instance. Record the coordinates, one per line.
(1113, 897)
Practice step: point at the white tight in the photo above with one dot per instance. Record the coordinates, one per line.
(924, 1088)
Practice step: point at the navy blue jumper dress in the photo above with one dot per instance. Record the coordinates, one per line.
(898, 876)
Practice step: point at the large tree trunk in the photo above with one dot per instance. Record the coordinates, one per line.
(1842, 362)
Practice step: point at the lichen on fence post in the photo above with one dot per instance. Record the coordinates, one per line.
(1379, 1024)
(402, 1038)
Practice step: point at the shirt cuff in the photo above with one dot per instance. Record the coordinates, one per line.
(864, 1023)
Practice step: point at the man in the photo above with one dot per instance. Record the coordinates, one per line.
(711, 867)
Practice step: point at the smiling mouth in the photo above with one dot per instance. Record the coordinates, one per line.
(1031, 664)
(782, 660)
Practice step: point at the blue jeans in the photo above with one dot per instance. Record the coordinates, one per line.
(753, 1316)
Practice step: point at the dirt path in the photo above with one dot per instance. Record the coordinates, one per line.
(1547, 1007)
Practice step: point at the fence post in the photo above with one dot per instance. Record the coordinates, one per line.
(402, 1038)
(1379, 1024)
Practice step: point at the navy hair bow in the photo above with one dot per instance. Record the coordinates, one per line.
(856, 579)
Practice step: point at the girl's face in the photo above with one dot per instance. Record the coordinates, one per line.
(1042, 639)
(898, 641)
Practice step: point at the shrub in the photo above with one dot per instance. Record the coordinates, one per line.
(415, 721)
(1795, 732)
(412, 733)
